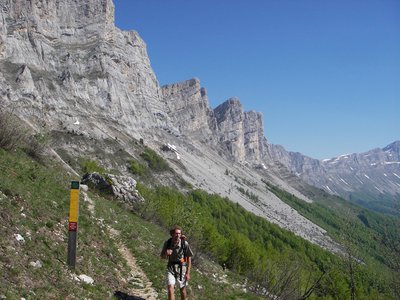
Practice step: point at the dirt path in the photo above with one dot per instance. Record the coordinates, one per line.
(142, 285)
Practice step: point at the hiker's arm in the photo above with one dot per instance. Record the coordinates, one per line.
(189, 266)
(164, 250)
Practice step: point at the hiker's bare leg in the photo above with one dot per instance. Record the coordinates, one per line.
(183, 293)
(171, 292)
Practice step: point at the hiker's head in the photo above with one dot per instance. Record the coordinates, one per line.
(176, 231)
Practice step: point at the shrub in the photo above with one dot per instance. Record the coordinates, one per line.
(13, 134)
(36, 145)
(155, 162)
(91, 166)
(137, 168)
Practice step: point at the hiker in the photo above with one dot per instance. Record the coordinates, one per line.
(179, 255)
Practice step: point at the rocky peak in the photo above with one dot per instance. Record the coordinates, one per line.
(230, 110)
(393, 147)
(229, 116)
(187, 105)
(241, 133)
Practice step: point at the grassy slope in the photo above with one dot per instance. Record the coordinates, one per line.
(34, 202)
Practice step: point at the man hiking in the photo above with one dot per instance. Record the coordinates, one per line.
(179, 255)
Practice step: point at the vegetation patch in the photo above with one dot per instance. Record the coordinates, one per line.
(137, 168)
(92, 166)
(154, 161)
(249, 195)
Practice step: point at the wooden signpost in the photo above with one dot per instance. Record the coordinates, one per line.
(73, 223)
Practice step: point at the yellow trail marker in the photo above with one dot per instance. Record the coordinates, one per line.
(74, 205)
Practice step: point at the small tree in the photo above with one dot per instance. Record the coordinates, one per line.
(12, 133)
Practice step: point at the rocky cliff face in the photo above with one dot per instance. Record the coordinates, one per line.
(241, 133)
(187, 105)
(64, 61)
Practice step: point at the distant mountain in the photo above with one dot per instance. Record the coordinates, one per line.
(371, 179)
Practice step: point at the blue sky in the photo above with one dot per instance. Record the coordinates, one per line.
(325, 74)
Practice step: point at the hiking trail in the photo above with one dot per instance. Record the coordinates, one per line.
(142, 285)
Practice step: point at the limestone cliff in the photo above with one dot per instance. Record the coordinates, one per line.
(241, 133)
(187, 105)
(64, 61)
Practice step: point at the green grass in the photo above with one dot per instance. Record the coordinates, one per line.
(35, 204)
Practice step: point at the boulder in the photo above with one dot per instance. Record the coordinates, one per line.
(121, 187)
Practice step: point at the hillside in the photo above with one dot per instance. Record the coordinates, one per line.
(119, 241)
(116, 248)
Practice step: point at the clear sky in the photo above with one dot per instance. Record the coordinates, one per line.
(325, 74)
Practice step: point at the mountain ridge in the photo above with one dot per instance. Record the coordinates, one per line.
(102, 88)
(369, 178)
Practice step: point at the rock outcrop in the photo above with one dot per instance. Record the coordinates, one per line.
(187, 105)
(241, 133)
(121, 187)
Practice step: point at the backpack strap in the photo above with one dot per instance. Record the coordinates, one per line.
(184, 248)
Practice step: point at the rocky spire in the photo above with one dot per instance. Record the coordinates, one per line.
(187, 105)
(240, 132)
